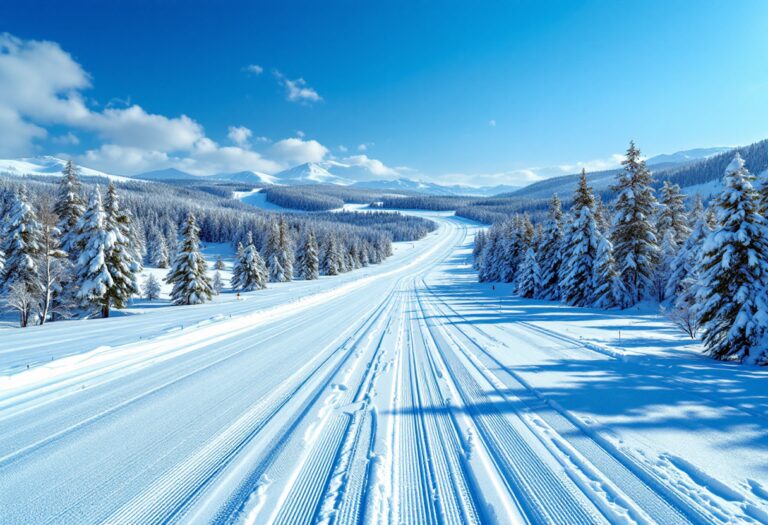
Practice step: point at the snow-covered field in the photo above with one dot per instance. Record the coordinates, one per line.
(401, 393)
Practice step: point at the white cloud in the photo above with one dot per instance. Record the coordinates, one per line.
(375, 166)
(512, 177)
(240, 135)
(254, 69)
(343, 148)
(300, 134)
(593, 165)
(362, 147)
(492, 123)
(67, 139)
(298, 151)
(298, 90)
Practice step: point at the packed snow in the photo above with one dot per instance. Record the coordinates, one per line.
(404, 392)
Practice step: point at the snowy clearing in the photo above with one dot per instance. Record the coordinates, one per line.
(404, 392)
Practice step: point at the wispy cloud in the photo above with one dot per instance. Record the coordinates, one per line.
(254, 69)
(297, 90)
(240, 135)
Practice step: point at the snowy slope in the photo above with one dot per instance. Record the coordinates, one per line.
(400, 393)
(309, 173)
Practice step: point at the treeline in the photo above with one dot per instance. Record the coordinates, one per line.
(73, 249)
(301, 199)
(708, 268)
(425, 202)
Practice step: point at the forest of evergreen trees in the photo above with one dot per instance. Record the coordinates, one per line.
(707, 267)
(74, 248)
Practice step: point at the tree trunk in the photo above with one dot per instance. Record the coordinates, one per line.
(105, 311)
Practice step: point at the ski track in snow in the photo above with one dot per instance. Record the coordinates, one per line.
(371, 399)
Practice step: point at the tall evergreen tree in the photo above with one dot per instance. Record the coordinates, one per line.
(734, 284)
(69, 207)
(550, 251)
(308, 260)
(279, 262)
(529, 275)
(218, 283)
(97, 239)
(672, 216)
(22, 246)
(331, 262)
(250, 273)
(635, 245)
(151, 288)
(580, 249)
(607, 285)
(189, 273)
(124, 258)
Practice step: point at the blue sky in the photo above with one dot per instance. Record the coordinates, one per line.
(474, 92)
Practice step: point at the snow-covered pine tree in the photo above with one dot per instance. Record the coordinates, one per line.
(671, 216)
(477, 249)
(529, 275)
(607, 285)
(489, 265)
(734, 282)
(151, 288)
(762, 188)
(94, 279)
(22, 246)
(237, 268)
(331, 262)
(550, 251)
(69, 207)
(683, 270)
(308, 261)
(273, 253)
(286, 250)
(157, 249)
(189, 273)
(219, 264)
(580, 249)
(124, 257)
(253, 274)
(635, 245)
(217, 284)
(601, 216)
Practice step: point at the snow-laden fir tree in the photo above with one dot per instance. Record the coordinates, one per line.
(734, 286)
(219, 264)
(601, 216)
(607, 286)
(635, 245)
(550, 251)
(308, 261)
(252, 273)
(684, 268)
(151, 288)
(667, 254)
(124, 257)
(529, 275)
(489, 265)
(69, 208)
(762, 187)
(217, 284)
(157, 249)
(581, 241)
(279, 253)
(331, 262)
(672, 217)
(97, 239)
(22, 246)
(189, 273)
(477, 248)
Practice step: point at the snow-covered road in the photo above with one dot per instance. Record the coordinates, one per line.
(393, 394)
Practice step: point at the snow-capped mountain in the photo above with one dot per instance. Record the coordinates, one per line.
(431, 188)
(310, 173)
(48, 166)
(248, 177)
(682, 157)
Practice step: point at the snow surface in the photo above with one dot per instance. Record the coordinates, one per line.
(49, 167)
(404, 392)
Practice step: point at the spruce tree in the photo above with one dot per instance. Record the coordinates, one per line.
(732, 295)
(22, 246)
(331, 262)
(97, 239)
(683, 270)
(635, 245)
(607, 286)
(69, 208)
(189, 273)
(672, 216)
(308, 260)
(580, 249)
(124, 258)
(218, 283)
(252, 273)
(273, 253)
(529, 275)
(151, 288)
(550, 251)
